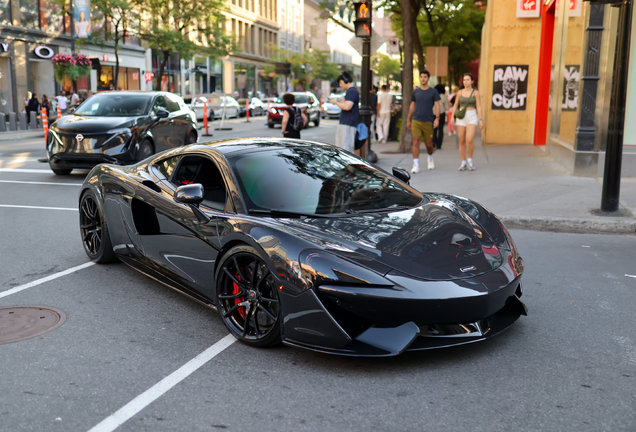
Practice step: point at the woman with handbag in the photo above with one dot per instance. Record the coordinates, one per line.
(467, 117)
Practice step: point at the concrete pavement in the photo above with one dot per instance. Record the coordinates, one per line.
(522, 185)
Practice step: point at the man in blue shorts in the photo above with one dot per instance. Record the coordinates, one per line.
(421, 120)
(349, 117)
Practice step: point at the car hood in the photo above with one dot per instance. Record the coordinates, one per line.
(83, 124)
(434, 241)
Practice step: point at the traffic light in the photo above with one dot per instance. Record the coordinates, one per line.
(362, 22)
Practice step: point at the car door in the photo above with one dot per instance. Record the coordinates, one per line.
(182, 248)
(180, 120)
(161, 128)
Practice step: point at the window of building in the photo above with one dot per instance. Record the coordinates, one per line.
(5, 12)
(30, 13)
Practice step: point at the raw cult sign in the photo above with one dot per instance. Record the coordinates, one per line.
(510, 87)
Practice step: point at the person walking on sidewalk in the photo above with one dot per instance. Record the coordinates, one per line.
(349, 117)
(384, 114)
(468, 98)
(421, 120)
(289, 117)
(438, 132)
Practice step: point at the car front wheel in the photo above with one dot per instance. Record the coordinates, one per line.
(247, 297)
(94, 230)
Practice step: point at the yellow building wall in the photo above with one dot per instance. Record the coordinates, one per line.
(508, 40)
(573, 56)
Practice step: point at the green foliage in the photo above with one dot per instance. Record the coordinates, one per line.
(306, 66)
(385, 67)
(453, 23)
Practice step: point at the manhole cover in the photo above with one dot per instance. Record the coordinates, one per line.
(23, 322)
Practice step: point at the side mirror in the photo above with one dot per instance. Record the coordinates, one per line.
(193, 196)
(71, 110)
(162, 114)
(402, 174)
(189, 194)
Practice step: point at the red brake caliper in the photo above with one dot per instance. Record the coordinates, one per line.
(236, 290)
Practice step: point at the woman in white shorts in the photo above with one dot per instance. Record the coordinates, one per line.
(468, 97)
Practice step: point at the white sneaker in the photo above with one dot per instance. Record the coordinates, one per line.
(415, 169)
(431, 164)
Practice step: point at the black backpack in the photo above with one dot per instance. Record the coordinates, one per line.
(298, 122)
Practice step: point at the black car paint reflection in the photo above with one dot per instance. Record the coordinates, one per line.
(392, 271)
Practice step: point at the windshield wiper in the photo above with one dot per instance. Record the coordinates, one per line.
(288, 214)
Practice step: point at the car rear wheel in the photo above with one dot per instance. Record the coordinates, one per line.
(192, 138)
(247, 297)
(145, 150)
(94, 230)
(61, 171)
(270, 125)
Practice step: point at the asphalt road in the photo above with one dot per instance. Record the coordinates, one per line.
(130, 342)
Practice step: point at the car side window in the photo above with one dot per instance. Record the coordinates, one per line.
(165, 168)
(172, 103)
(198, 169)
(160, 104)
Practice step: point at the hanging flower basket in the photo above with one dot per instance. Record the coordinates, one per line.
(65, 66)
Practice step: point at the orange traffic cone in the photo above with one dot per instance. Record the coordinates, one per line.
(45, 125)
(59, 112)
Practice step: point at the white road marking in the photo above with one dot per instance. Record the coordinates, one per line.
(40, 183)
(129, 410)
(46, 279)
(24, 170)
(37, 207)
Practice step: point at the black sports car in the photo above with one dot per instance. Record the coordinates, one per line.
(120, 128)
(307, 244)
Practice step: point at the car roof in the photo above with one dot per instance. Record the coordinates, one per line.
(248, 145)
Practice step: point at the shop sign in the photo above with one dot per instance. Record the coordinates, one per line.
(135, 76)
(5, 47)
(109, 58)
(575, 8)
(82, 18)
(149, 76)
(528, 8)
(44, 52)
(510, 87)
(571, 77)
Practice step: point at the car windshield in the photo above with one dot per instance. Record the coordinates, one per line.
(318, 180)
(300, 99)
(115, 105)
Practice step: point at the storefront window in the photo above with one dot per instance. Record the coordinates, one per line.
(6, 99)
(105, 78)
(127, 79)
(244, 80)
(5, 12)
(30, 13)
(171, 79)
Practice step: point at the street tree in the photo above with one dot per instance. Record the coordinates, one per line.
(120, 20)
(186, 28)
(306, 67)
(385, 67)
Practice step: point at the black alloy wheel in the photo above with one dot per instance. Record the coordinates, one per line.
(94, 231)
(192, 138)
(247, 297)
(317, 121)
(145, 150)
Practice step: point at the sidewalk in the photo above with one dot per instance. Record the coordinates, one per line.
(523, 186)
(22, 134)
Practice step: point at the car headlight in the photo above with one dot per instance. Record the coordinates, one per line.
(119, 136)
(272, 110)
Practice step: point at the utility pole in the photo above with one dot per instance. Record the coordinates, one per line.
(614, 150)
(363, 29)
(72, 21)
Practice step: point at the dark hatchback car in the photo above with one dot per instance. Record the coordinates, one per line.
(119, 128)
(303, 100)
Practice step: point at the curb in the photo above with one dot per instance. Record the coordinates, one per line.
(565, 225)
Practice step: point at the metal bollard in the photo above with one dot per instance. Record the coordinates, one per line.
(23, 120)
(13, 124)
(33, 121)
(3, 123)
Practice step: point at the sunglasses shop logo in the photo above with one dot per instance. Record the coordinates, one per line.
(510, 87)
